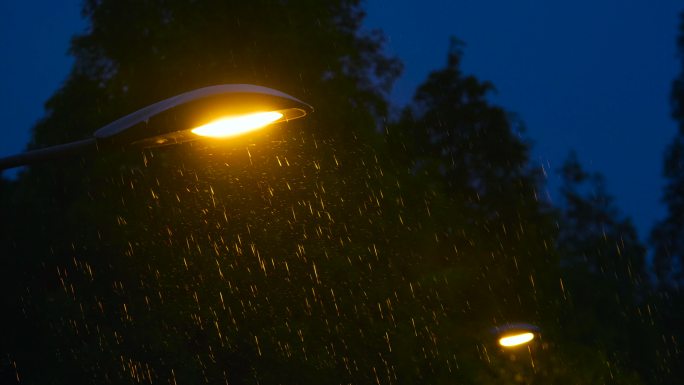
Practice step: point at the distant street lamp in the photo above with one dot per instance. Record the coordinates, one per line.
(514, 335)
(221, 111)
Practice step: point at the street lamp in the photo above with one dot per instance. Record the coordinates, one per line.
(221, 111)
(514, 335)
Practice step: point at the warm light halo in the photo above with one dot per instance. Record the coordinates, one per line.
(230, 126)
(516, 339)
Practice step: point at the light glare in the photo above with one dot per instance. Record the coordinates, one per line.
(515, 340)
(236, 125)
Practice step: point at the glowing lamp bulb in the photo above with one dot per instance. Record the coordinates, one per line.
(515, 340)
(236, 125)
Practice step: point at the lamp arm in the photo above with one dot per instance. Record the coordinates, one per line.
(49, 153)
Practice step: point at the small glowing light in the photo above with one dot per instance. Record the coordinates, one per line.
(237, 125)
(515, 340)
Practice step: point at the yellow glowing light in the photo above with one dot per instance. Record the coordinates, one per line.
(237, 125)
(515, 340)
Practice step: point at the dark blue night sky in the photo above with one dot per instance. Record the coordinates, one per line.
(593, 76)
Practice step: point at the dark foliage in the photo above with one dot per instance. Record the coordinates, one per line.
(342, 248)
(667, 236)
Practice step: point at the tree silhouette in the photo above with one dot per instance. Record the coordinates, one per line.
(494, 260)
(206, 262)
(667, 236)
(605, 282)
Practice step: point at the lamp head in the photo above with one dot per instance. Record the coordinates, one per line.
(220, 111)
(513, 335)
